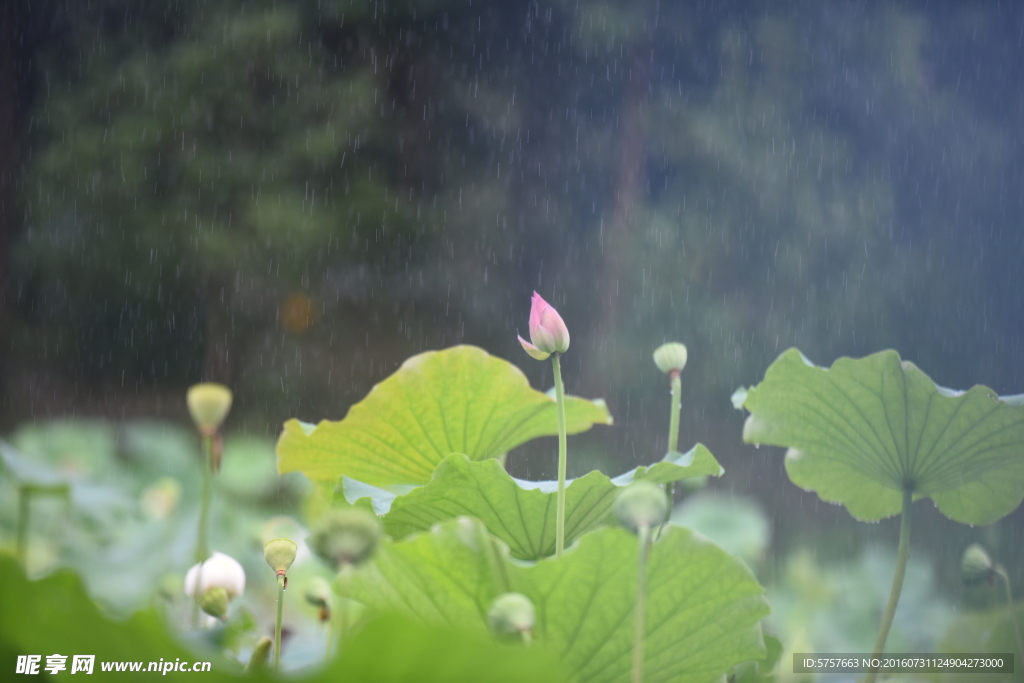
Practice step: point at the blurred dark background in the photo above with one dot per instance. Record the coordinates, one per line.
(293, 197)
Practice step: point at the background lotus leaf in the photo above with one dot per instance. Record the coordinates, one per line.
(864, 430)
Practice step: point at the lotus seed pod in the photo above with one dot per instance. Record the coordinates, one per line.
(976, 565)
(346, 536)
(641, 504)
(219, 570)
(511, 614)
(208, 404)
(215, 602)
(279, 554)
(670, 357)
(260, 655)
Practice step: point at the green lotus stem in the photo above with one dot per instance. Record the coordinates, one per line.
(277, 624)
(560, 509)
(639, 616)
(202, 543)
(1013, 613)
(673, 416)
(339, 617)
(24, 510)
(673, 435)
(897, 580)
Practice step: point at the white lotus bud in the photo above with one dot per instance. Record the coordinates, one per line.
(219, 571)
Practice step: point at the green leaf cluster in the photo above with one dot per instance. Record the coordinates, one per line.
(424, 450)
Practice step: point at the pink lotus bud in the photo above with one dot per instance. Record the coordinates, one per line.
(547, 330)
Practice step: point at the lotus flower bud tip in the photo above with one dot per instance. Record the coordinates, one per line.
(548, 333)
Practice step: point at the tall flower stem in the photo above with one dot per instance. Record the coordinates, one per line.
(1013, 612)
(897, 581)
(673, 429)
(639, 615)
(339, 615)
(277, 624)
(202, 542)
(560, 508)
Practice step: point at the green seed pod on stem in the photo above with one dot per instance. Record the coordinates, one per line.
(208, 404)
(670, 357)
(641, 504)
(511, 615)
(345, 537)
(279, 554)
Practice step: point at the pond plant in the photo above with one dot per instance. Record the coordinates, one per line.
(208, 404)
(435, 548)
(279, 554)
(442, 562)
(876, 433)
(541, 564)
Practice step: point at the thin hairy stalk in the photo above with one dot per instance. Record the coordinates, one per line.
(897, 581)
(560, 508)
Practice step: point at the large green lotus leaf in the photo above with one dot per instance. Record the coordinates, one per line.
(520, 513)
(703, 607)
(55, 616)
(864, 430)
(459, 400)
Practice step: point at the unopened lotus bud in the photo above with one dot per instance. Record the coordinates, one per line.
(977, 565)
(670, 357)
(641, 504)
(345, 537)
(215, 603)
(260, 655)
(548, 333)
(511, 614)
(219, 570)
(209, 404)
(279, 554)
